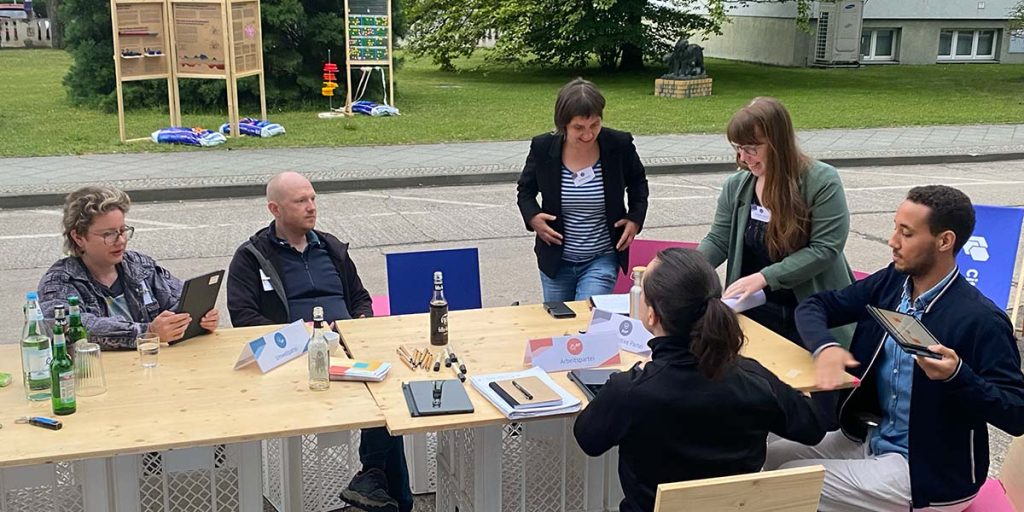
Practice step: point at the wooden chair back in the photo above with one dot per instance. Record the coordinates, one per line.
(785, 490)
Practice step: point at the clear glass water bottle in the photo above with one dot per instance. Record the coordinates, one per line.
(319, 357)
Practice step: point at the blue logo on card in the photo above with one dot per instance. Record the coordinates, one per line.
(279, 340)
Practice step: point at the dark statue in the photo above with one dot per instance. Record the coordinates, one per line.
(685, 61)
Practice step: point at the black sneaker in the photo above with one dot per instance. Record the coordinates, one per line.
(368, 491)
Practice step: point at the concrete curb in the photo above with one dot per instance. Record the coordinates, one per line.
(448, 180)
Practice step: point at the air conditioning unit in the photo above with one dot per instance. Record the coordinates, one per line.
(837, 42)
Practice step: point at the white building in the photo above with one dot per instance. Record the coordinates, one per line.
(871, 32)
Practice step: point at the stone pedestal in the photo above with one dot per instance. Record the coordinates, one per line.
(683, 88)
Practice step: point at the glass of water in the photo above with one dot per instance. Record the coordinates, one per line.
(148, 344)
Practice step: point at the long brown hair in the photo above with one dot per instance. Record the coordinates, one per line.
(766, 121)
(685, 292)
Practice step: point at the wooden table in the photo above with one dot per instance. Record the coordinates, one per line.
(485, 462)
(193, 398)
(494, 340)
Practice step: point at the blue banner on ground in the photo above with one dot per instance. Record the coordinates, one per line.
(988, 257)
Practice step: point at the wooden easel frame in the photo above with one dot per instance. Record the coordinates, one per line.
(1019, 285)
(349, 63)
(230, 75)
(173, 106)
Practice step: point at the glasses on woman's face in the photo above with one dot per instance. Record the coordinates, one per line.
(110, 237)
(746, 149)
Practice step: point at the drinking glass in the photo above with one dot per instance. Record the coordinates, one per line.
(89, 378)
(148, 344)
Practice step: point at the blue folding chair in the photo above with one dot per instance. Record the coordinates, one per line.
(411, 279)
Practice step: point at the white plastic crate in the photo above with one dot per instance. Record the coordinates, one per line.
(79, 486)
(220, 478)
(307, 473)
(421, 457)
(519, 467)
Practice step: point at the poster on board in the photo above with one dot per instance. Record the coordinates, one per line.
(199, 37)
(141, 40)
(246, 27)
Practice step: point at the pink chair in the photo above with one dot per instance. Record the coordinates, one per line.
(381, 306)
(1007, 493)
(641, 252)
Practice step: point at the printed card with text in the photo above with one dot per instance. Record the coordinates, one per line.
(573, 352)
(632, 336)
(276, 348)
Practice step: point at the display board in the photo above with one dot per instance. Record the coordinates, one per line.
(142, 40)
(368, 42)
(245, 25)
(200, 40)
(142, 51)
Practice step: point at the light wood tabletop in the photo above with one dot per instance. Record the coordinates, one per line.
(192, 398)
(494, 340)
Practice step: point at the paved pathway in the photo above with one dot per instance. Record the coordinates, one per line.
(221, 173)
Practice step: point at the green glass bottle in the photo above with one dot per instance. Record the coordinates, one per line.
(76, 331)
(62, 371)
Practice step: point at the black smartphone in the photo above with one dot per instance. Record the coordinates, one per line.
(559, 310)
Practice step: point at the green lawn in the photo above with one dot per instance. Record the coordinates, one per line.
(499, 103)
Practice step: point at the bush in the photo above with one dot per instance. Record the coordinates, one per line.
(296, 36)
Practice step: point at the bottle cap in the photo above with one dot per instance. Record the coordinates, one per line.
(639, 268)
(73, 300)
(31, 296)
(437, 276)
(318, 313)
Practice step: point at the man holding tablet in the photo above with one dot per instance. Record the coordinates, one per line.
(278, 276)
(914, 433)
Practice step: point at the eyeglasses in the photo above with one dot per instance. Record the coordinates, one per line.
(746, 149)
(110, 237)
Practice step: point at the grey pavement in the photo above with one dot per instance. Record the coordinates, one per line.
(220, 172)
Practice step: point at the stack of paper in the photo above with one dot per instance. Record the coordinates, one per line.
(566, 404)
(366, 371)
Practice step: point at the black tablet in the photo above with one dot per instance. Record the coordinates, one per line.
(911, 335)
(590, 380)
(198, 296)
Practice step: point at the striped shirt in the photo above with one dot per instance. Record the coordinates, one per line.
(583, 215)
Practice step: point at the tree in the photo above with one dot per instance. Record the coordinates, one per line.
(1017, 16)
(296, 37)
(619, 33)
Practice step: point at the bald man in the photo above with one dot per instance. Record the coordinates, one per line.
(277, 277)
(287, 268)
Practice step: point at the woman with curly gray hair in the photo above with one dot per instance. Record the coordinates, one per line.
(123, 293)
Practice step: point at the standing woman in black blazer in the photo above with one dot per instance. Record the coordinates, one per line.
(582, 171)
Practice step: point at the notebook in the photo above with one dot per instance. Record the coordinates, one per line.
(911, 335)
(198, 296)
(525, 393)
(365, 371)
(436, 397)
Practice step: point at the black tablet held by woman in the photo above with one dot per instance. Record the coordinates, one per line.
(198, 296)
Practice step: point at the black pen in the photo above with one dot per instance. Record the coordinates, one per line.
(523, 390)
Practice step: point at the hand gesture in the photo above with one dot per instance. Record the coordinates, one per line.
(939, 369)
(170, 326)
(746, 286)
(830, 366)
(539, 223)
(628, 234)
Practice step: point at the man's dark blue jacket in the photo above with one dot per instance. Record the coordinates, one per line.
(948, 438)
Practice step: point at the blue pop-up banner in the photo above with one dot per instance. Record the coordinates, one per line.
(988, 257)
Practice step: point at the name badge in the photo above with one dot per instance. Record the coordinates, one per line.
(583, 177)
(265, 279)
(147, 298)
(760, 213)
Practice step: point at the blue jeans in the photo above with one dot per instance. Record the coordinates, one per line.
(580, 281)
(380, 450)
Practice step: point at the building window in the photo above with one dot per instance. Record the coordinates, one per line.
(967, 45)
(878, 44)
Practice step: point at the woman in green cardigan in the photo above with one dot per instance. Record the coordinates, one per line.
(781, 221)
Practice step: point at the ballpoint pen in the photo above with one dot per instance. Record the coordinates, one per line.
(461, 376)
(522, 390)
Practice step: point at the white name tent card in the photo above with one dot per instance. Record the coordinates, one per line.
(630, 332)
(276, 348)
(573, 352)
